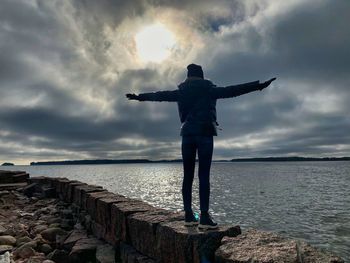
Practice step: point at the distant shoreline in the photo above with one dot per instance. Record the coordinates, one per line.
(127, 161)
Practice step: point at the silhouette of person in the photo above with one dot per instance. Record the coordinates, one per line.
(196, 98)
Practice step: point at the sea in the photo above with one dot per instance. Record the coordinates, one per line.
(308, 201)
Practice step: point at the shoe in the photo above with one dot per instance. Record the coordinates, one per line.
(206, 222)
(190, 219)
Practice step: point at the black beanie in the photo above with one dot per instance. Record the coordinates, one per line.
(194, 70)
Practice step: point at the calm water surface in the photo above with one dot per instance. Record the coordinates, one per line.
(309, 201)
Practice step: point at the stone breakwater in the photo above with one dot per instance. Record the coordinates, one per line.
(86, 223)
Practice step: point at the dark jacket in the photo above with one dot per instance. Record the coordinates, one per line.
(196, 99)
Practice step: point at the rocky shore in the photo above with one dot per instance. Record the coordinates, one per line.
(45, 220)
(36, 230)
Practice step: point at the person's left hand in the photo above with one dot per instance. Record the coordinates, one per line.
(132, 96)
(266, 83)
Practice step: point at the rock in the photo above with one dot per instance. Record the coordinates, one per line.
(5, 258)
(59, 256)
(67, 224)
(54, 220)
(81, 190)
(142, 229)
(87, 222)
(91, 201)
(73, 238)
(54, 225)
(30, 189)
(260, 246)
(84, 250)
(105, 254)
(38, 238)
(78, 226)
(120, 212)
(4, 248)
(2, 230)
(48, 192)
(26, 215)
(45, 248)
(60, 240)
(20, 177)
(50, 233)
(23, 252)
(12, 186)
(43, 203)
(66, 214)
(37, 258)
(130, 254)
(21, 233)
(70, 190)
(7, 240)
(4, 192)
(20, 241)
(33, 199)
(9, 232)
(103, 217)
(44, 210)
(177, 243)
(33, 244)
(38, 229)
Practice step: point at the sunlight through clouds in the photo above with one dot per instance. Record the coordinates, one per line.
(154, 43)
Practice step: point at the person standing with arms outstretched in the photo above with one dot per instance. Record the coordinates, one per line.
(196, 98)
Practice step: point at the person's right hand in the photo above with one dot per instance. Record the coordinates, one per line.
(132, 96)
(266, 83)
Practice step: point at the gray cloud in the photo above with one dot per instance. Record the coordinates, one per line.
(66, 65)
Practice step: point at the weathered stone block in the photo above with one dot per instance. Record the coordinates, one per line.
(91, 198)
(103, 207)
(64, 189)
(30, 189)
(84, 250)
(38, 180)
(260, 247)
(120, 212)
(80, 189)
(105, 254)
(12, 186)
(128, 254)
(143, 228)
(104, 217)
(177, 243)
(97, 229)
(60, 187)
(7, 177)
(48, 192)
(59, 256)
(86, 191)
(70, 191)
(20, 178)
(73, 237)
(90, 205)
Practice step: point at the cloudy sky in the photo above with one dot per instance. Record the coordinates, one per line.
(66, 65)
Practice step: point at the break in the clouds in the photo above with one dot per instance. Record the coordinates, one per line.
(65, 67)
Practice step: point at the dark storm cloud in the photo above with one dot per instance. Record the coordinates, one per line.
(309, 42)
(66, 65)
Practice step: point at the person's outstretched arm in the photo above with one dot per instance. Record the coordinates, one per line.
(155, 96)
(237, 90)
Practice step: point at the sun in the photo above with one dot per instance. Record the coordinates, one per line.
(154, 43)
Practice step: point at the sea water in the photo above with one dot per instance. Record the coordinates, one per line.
(308, 201)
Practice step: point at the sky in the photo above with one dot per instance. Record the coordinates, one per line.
(66, 65)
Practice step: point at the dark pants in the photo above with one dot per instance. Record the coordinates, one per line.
(204, 146)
